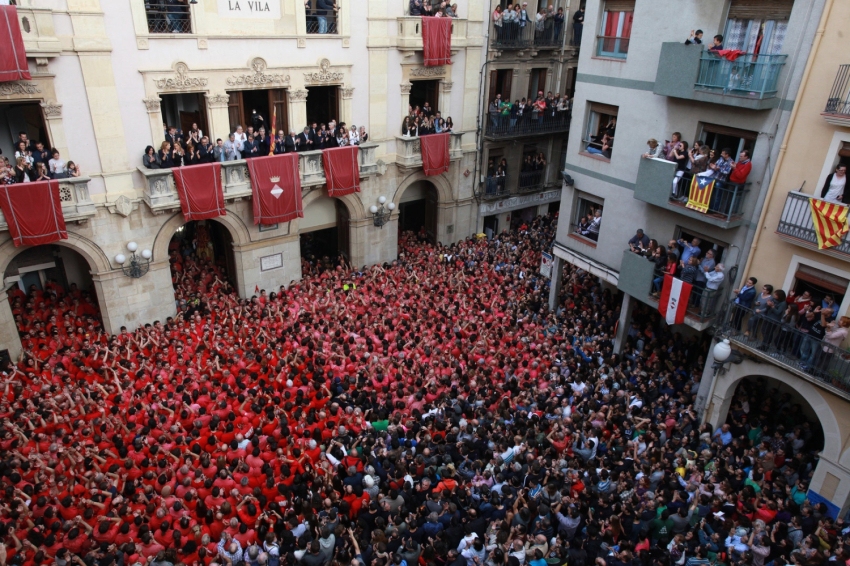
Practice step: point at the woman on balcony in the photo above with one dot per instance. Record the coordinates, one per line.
(149, 159)
(73, 170)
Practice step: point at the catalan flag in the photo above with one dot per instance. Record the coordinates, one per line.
(830, 220)
(700, 195)
(273, 133)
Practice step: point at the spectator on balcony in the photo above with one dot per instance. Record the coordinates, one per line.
(73, 170)
(559, 23)
(39, 154)
(240, 137)
(325, 9)
(364, 137)
(149, 159)
(717, 44)
(741, 169)
(720, 169)
(695, 38)
(494, 109)
(172, 135)
(191, 155)
(22, 171)
(714, 277)
(540, 24)
(56, 165)
(828, 302)
(305, 142)
(353, 135)
(291, 142)
(797, 306)
(415, 7)
(251, 148)
(743, 300)
(706, 264)
(654, 149)
(407, 127)
(505, 113)
(564, 109)
(605, 146)
(690, 268)
(814, 326)
(835, 335)
(41, 172)
(206, 150)
(578, 25)
(594, 227)
(194, 134)
(219, 154)
(165, 155)
(263, 143)
(775, 308)
(451, 11)
(539, 109)
(698, 158)
(689, 249)
(835, 186)
(638, 242)
(450, 125)
(670, 145)
(341, 135)
(232, 148)
(680, 157)
(498, 28)
(23, 151)
(759, 307)
(177, 14)
(664, 265)
(510, 24)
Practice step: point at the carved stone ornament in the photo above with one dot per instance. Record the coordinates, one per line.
(181, 79)
(323, 76)
(259, 77)
(405, 87)
(152, 103)
(427, 71)
(11, 89)
(447, 86)
(52, 109)
(298, 95)
(348, 92)
(123, 206)
(218, 99)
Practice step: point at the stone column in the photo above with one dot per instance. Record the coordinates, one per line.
(297, 109)
(9, 338)
(404, 89)
(154, 108)
(52, 111)
(624, 324)
(125, 301)
(556, 282)
(379, 89)
(346, 108)
(471, 100)
(219, 117)
(445, 107)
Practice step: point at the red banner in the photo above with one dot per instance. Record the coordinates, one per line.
(200, 191)
(276, 186)
(435, 153)
(673, 304)
(342, 170)
(437, 41)
(13, 56)
(33, 212)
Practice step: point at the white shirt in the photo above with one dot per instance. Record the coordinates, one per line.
(714, 278)
(836, 189)
(240, 139)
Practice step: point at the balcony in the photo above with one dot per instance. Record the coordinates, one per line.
(495, 187)
(818, 362)
(160, 193)
(409, 36)
(638, 278)
(77, 205)
(409, 150)
(38, 32)
(165, 17)
(511, 35)
(654, 185)
(324, 25)
(796, 226)
(837, 111)
(531, 181)
(687, 71)
(502, 127)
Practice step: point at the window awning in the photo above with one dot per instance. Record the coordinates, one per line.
(13, 56)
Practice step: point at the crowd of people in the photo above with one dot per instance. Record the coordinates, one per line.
(551, 110)
(33, 162)
(425, 120)
(437, 9)
(513, 24)
(193, 147)
(431, 411)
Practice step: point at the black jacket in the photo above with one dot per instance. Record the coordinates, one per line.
(302, 142)
(289, 144)
(845, 198)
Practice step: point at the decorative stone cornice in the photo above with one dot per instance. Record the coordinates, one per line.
(446, 86)
(218, 100)
(405, 87)
(13, 88)
(427, 71)
(348, 93)
(259, 77)
(181, 79)
(325, 75)
(52, 109)
(298, 95)
(152, 103)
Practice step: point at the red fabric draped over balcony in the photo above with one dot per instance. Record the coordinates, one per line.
(33, 212)
(276, 186)
(342, 170)
(13, 56)
(200, 191)
(435, 153)
(437, 41)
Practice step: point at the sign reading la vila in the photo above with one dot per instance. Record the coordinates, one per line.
(257, 9)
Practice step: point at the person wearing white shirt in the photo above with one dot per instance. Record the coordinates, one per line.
(833, 188)
(240, 138)
(715, 278)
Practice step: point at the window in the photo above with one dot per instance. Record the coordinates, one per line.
(536, 83)
(819, 284)
(168, 17)
(613, 38)
(719, 138)
(705, 243)
(599, 133)
(587, 217)
(500, 83)
(755, 26)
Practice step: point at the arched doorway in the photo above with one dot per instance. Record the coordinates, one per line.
(324, 230)
(50, 281)
(207, 243)
(417, 210)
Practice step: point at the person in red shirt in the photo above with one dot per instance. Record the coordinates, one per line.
(741, 168)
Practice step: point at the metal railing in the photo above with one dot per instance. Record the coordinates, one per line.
(727, 200)
(750, 75)
(531, 180)
(515, 35)
(839, 97)
(319, 24)
(495, 187)
(501, 126)
(704, 303)
(786, 344)
(796, 222)
(168, 18)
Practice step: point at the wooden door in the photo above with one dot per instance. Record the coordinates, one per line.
(278, 109)
(236, 111)
(431, 215)
(203, 119)
(507, 77)
(494, 81)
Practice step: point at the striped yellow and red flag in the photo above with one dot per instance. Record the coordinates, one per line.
(274, 129)
(700, 194)
(830, 220)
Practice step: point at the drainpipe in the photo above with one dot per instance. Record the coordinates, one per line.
(791, 122)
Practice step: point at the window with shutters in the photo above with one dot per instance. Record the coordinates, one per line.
(757, 26)
(599, 132)
(735, 140)
(616, 30)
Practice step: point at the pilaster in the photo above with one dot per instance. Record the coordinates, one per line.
(297, 110)
(9, 338)
(404, 90)
(153, 105)
(346, 108)
(218, 115)
(445, 98)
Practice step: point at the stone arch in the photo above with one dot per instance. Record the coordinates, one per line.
(233, 222)
(726, 384)
(352, 203)
(439, 182)
(96, 258)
